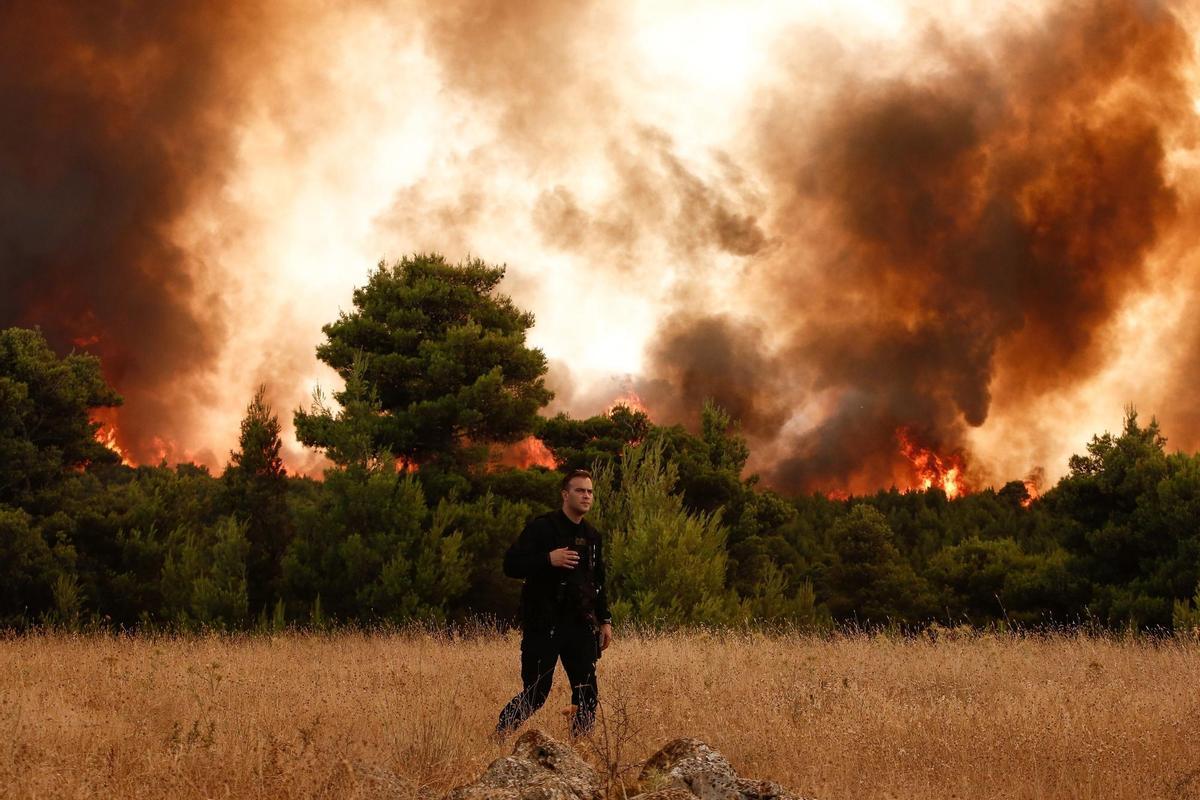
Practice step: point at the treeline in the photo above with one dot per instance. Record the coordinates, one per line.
(412, 519)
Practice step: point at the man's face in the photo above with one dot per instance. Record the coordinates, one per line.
(577, 497)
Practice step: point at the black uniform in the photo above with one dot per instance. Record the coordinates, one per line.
(561, 612)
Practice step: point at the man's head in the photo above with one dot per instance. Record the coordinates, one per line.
(576, 493)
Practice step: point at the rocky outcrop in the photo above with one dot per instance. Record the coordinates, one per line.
(691, 766)
(541, 768)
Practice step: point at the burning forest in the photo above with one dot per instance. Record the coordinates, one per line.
(899, 251)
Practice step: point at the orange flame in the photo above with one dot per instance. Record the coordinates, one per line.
(529, 452)
(1033, 494)
(944, 472)
(630, 399)
(106, 434)
(1033, 486)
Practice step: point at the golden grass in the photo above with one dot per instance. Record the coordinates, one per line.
(408, 715)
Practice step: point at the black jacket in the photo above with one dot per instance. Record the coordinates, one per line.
(552, 594)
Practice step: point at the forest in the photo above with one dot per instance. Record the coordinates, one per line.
(411, 519)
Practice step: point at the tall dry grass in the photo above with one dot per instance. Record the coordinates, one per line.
(408, 715)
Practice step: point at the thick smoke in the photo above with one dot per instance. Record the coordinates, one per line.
(655, 194)
(1178, 413)
(734, 370)
(868, 255)
(114, 120)
(526, 61)
(983, 222)
(919, 240)
(546, 73)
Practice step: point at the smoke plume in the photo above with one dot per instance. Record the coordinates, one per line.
(718, 358)
(863, 249)
(114, 122)
(979, 224)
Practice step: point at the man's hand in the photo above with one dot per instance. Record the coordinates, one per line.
(564, 558)
(605, 636)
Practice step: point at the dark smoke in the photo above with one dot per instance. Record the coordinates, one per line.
(921, 238)
(983, 223)
(655, 194)
(911, 249)
(717, 358)
(114, 119)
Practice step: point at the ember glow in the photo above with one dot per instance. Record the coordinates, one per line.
(832, 219)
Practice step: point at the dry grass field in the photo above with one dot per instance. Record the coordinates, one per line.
(408, 715)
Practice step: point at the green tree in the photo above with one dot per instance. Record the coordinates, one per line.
(45, 430)
(347, 434)
(368, 548)
(985, 580)
(710, 465)
(1130, 516)
(869, 581)
(1105, 485)
(204, 575)
(537, 488)
(773, 600)
(666, 565)
(28, 569)
(580, 443)
(256, 486)
(1185, 615)
(444, 354)
(489, 525)
(117, 528)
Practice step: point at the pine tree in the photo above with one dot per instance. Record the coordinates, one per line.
(666, 565)
(204, 575)
(869, 581)
(256, 483)
(444, 355)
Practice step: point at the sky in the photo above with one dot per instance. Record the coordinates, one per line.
(863, 228)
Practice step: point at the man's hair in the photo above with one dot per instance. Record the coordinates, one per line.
(572, 475)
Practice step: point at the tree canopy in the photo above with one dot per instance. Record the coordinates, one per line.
(256, 486)
(411, 524)
(443, 352)
(46, 430)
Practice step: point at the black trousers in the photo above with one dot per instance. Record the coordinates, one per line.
(541, 649)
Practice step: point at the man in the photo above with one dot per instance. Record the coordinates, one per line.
(564, 607)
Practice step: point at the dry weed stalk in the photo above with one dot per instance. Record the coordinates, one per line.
(611, 742)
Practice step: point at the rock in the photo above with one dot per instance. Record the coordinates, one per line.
(692, 766)
(687, 763)
(539, 768)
